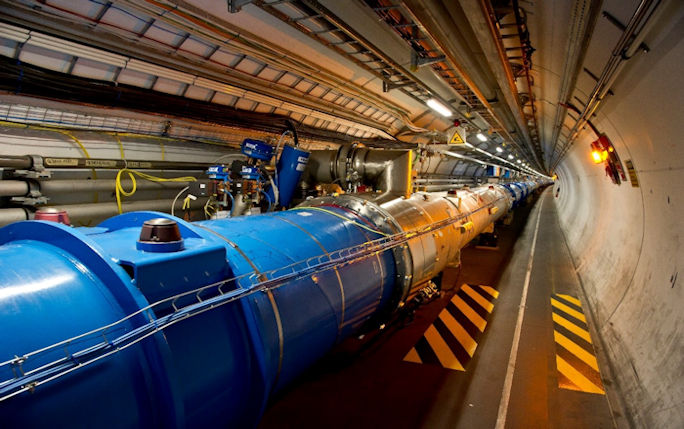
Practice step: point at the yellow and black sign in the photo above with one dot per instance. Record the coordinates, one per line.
(457, 138)
(575, 356)
(451, 340)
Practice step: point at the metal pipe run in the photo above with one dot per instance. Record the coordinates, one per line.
(439, 188)
(19, 188)
(101, 210)
(13, 188)
(50, 187)
(8, 216)
(389, 171)
(18, 162)
(143, 320)
(118, 164)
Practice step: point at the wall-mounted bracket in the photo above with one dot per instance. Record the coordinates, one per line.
(387, 85)
(234, 6)
(417, 61)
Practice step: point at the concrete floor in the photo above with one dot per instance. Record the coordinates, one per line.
(366, 383)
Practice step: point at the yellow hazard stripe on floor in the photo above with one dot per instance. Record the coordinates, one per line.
(576, 350)
(478, 298)
(575, 357)
(580, 382)
(574, 313)
(439, 346)
(452, 338)
(455, 328)
(412, 356)
(570, 299)
(469, 312)
(490, 290)
(580, 332)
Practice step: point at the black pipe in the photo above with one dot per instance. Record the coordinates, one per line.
(19, 162)
(117, 164)
(291, 127)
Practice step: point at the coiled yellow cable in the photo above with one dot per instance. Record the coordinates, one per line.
(132, 173)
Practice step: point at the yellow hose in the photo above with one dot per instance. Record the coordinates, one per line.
(121, 148)
(131, 174)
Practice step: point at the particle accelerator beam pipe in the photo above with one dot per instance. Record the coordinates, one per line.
(202, 325)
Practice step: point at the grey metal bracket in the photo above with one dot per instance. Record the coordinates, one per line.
(417, 61)
(37, 171)
(387, 86)
(33, 197)
(29, 201)
(234, 6)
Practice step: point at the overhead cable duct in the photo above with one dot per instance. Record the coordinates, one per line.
(627, 45)
(37, 81)
(582, 23)
(440, 27)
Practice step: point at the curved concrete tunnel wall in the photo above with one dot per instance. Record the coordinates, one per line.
(626, 241)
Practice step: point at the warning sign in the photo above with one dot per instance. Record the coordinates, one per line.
(458, 137)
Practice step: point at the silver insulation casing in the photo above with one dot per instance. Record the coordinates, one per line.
(466, 214)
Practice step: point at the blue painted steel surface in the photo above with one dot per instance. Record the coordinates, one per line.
(250, 173)
(516, 191)
(219, 172)
(291, 165)
(219, 366)
(257, 149)
(64, 286)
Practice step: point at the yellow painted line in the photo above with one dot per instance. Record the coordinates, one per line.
(576, 350)
(469, 313)
(412, 356)
(439, 346)
(574, 313)
(461, 334)
(571, 299)
(478, 298)
(571, 327)
(490, 290)
(583, 383)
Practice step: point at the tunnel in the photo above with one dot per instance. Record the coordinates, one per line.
(318, 213)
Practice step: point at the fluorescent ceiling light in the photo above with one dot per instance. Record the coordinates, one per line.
(498, 149)
(481, 137)
(510, 157)
(439, 108)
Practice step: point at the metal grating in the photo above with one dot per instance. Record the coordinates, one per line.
(312, 19)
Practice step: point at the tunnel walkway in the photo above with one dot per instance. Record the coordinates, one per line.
(551, 378)
(453, 367)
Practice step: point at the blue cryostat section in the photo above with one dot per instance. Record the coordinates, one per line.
(221, 364)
